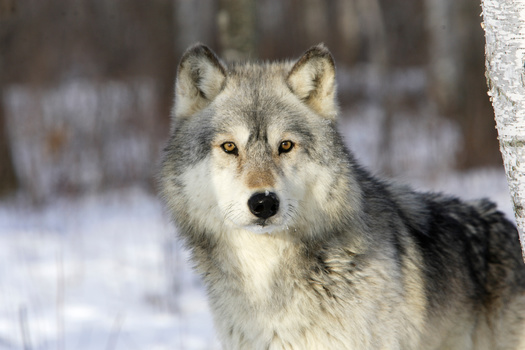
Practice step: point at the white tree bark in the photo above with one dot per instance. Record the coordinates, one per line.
(504, 24)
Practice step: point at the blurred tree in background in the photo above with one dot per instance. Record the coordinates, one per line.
(87, 85)
(7, 171)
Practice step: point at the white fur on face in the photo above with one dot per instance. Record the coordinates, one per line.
(201, 202)
(218, 195)
(232, 193)
(236, 211)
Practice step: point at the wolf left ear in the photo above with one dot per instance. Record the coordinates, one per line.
(312, 79)
(200, 78)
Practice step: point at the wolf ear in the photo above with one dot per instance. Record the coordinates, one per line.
(200, 78)
(312, 79)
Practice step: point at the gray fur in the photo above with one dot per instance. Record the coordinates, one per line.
(348, 261)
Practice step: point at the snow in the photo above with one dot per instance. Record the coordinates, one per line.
(99, 272)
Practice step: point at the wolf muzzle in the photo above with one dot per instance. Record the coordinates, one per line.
(264, 205)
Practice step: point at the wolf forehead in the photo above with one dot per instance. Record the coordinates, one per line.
(256, 96)
(253, 110)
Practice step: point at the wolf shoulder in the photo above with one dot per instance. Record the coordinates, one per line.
(470, 238)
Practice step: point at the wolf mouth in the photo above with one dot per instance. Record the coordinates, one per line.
(262, 226)
(263, 223)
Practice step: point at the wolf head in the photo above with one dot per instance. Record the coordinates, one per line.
(254, 146)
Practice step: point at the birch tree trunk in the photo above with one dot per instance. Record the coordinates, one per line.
(504, 24)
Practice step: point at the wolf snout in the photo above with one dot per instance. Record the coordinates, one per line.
(264, 205)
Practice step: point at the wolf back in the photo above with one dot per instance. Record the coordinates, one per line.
(302, 248)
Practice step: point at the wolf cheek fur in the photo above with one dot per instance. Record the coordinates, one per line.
(300, 248)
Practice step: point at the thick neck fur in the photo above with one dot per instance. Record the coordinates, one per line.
(254, 267)
(251, 262)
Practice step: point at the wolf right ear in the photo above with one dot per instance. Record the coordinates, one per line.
(312, 79)
(200, 78)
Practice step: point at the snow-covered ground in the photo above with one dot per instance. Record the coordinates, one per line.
(98, 272)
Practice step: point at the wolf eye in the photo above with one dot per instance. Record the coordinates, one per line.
(285, 146)
(229, 147)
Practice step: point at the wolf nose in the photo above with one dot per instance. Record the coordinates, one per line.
(264, 205)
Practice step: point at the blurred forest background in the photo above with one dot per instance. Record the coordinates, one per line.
(86, 85)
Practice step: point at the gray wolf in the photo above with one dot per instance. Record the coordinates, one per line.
(300, 247)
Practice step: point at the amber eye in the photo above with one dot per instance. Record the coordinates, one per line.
(285, 146)
(229, 147)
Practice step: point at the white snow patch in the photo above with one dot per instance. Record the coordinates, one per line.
(93, 272)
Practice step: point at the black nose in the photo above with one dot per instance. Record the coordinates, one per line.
(264, 205)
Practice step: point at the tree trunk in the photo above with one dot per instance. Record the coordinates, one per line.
(8, 179)
(504, 24)
(237, 29)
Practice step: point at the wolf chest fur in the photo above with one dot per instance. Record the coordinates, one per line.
(301, 248)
